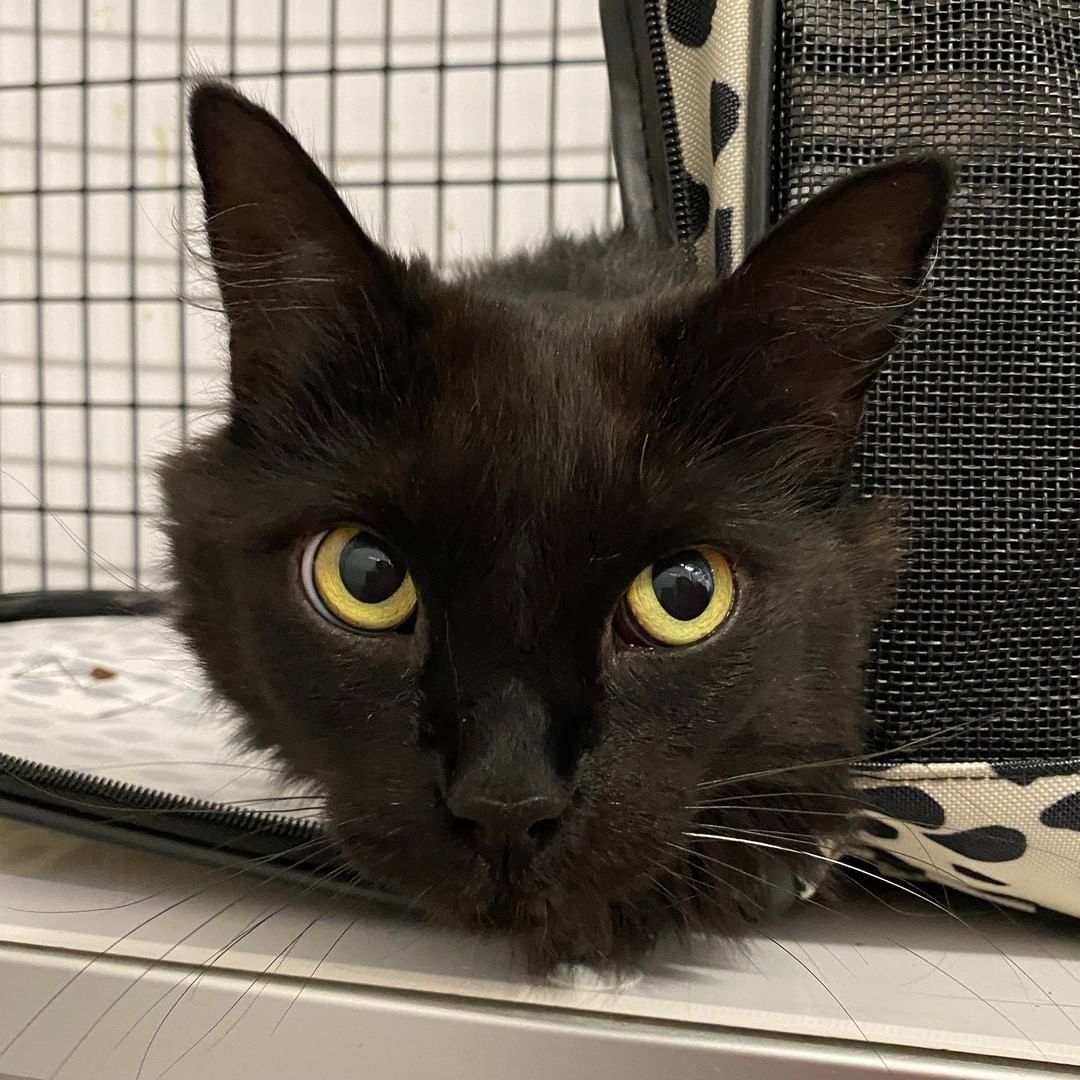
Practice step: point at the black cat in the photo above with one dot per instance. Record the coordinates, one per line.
(549, 575)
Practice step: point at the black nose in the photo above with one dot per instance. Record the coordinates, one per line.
(508, 834)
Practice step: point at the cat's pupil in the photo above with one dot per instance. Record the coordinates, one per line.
(683, 584)
(368, 571)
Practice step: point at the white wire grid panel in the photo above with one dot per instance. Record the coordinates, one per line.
(455, 127)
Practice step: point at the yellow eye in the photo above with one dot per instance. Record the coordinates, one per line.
(352, 578)
(681, 599)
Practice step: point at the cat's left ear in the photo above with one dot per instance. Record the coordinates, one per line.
(287, 252)
(801, 328)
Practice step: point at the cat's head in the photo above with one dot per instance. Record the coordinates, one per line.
(562, 606)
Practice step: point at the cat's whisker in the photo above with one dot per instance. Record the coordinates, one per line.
(722, 882)
(272, 282)
(891, 883)
(907, 914)
(121, 577)
(802, 838)
(784, 793)
(662, 889)
(843, 815)
(818, 903)
(768, 846)
(865, 810)
(319, 879)
(258, 800)
(843, 1008)
(134, 930)
(185, 983)
(760, 800)
(208, 303)
(304, 984)
(851, 759)
(240, 868)
(680, 875)
(274, 964)
(855, 841)
(187, 762)
(191, 980)
(731, 868)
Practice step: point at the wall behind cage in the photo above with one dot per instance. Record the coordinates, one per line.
(455, 127)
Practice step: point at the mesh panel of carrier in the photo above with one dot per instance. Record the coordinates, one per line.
(976, 418)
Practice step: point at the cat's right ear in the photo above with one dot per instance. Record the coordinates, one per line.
(287, 253)
(794, 338)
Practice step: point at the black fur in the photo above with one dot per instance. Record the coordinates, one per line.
(530, 436)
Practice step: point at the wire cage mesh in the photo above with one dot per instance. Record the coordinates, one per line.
(453, 127)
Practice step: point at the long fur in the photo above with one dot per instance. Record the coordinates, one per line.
(531, 435)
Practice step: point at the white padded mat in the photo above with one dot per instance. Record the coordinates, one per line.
(120, 698)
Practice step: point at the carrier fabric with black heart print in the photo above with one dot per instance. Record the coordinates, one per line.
(730, 112)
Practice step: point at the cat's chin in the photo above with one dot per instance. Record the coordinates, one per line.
(514, 910)
(548, 924)
(548, 928)
(553, 918)
(466, 894)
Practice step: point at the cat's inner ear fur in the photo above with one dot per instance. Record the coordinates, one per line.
(806, 321)
(286, 251)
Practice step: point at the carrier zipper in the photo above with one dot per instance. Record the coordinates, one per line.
(680, 209)
(105, 809)
(39, 784)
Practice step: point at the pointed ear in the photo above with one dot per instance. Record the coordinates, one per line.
(287, 252)
(808, 318)
(849, 263)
